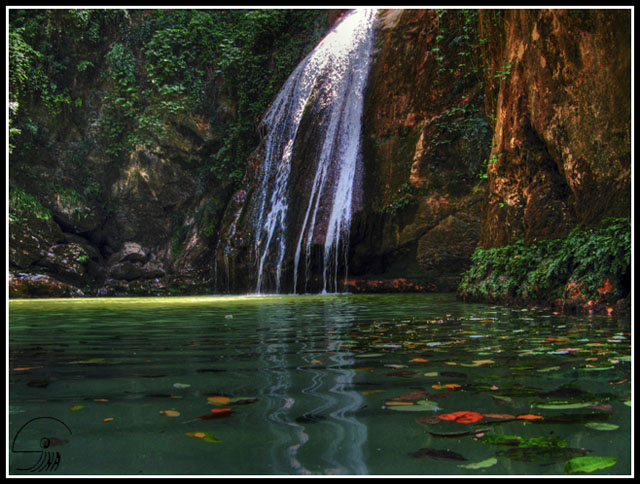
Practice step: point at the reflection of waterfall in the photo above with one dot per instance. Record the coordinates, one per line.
(331, 82)
(307, 373)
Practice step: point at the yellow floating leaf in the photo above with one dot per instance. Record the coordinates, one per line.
(451, 363)
(431, 373)
(220, 400)
(397, 403)
(108, 419)
(75, 408)
(371, 392)
(199, 435)
(170, 413)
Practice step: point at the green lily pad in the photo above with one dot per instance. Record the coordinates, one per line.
(539, 441)
(499, 439)
(583, 464)
(601, 426)
(563, 404)
(491, 461)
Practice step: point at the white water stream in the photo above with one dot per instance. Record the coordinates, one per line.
(333, 76)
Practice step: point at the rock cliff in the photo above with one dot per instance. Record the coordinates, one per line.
(480, 128)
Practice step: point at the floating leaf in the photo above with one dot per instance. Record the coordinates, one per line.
(499, 415)
(580, 465)
(204, 436)
(446, 386)
(369, 355)
(480, 465)
(396, 403)
(243, 400)
(419, 406)
(438, 454)
(216, 413)
(100, 400)
(601, 426)
(181, 385)
(500, 439)
(219, 399)
(458, 434)
(411, 396)
(430, 420)
(371, 392)
(463, 416)
(170, 413)
(418, 360)
(108, 419)
(431, 373)
(550, 368)
(402, 373)
(452, 374)
(563, 405)
(529, 416)
(75, 408)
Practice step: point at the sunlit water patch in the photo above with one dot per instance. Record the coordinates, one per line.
(378, 384)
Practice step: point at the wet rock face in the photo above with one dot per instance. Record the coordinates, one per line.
(560, 82)
(426, 136)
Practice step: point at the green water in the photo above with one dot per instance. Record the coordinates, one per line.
(312, 384)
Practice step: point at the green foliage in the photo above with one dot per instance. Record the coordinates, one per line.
(23, 205)
(407, 196)
(542, 270)
(458, 34)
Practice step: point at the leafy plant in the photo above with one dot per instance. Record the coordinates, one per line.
(23, 204)
(586, 257)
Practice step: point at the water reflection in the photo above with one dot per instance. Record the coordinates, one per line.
(314, 376)
(305, 375)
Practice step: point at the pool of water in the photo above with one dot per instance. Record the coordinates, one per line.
(346, 384)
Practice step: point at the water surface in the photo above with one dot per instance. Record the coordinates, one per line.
(347, 384)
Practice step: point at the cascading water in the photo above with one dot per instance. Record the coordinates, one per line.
(331, 79)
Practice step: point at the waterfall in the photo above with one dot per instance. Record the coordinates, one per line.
(331, 81)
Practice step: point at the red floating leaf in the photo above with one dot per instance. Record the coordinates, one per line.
(463, 416)
(216, 413)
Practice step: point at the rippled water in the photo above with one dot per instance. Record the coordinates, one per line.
(312, 385)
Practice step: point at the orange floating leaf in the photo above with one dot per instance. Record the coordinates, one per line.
(108, 419)
(464, 416)
(170, 413)
(397, 403)
(220, 400)
(447, 386)
(499, 415)
(419, 360)
(529, 416)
